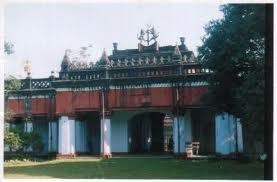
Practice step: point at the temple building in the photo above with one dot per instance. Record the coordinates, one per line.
(132, 101)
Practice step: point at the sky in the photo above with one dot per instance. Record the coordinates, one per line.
(42, 32)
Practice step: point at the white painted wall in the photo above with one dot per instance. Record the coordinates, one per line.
(66, 136)
(226, 133)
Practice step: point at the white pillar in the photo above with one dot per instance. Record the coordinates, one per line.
(66, 136)
(28, 127)
(106, 136)
(7, 125)
(184, 132)
(53, 137)
(228, 134)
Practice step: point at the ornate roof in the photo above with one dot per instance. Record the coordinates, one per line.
(148, 63)
(143, 56)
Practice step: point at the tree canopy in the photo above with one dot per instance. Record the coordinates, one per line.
(8, 48)
(234, 49)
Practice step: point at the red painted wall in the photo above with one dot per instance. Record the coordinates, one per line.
(157, 97)
(38, 106)
(191, 96)
(67, 102)
(16, 105)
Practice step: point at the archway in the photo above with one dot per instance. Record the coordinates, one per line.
(146, 133)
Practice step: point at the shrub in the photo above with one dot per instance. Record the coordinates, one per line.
(19, 140)
(13, 140)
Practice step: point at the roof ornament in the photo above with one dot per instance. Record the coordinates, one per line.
(147, 60)
(182, 40)
(177, 51)
(162, 60)
(27, 68)
(148, 35)
(104, 58)
(185, 58)
(140, 61)
(154, 60)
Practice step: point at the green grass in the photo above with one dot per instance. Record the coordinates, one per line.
(134, 168)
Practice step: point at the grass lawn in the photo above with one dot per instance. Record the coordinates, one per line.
(134, 168)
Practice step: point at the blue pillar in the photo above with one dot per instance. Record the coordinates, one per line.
(184, 135)
(53, 136)
(228, 134)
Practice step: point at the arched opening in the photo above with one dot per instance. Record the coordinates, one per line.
(148, 133)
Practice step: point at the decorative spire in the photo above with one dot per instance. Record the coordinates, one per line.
(65, 61)
(104, 58)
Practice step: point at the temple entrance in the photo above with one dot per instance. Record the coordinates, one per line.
(88, 133)
(146, 133)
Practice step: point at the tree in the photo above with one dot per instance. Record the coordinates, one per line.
(234, 49)
(8, 48)
(12, 83)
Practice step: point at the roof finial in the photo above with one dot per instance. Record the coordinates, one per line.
(115, 44)
(182, 40)
(148, 35)
(177, 50)
(104, 57)
(27, 68)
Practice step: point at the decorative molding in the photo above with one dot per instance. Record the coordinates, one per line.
(154, 85)
(32, 97)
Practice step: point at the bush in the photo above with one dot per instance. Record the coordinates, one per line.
(18, 140)
(13, 140)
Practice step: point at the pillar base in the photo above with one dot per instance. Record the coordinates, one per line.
(65, 156)
(183, 155)
(106, 156)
